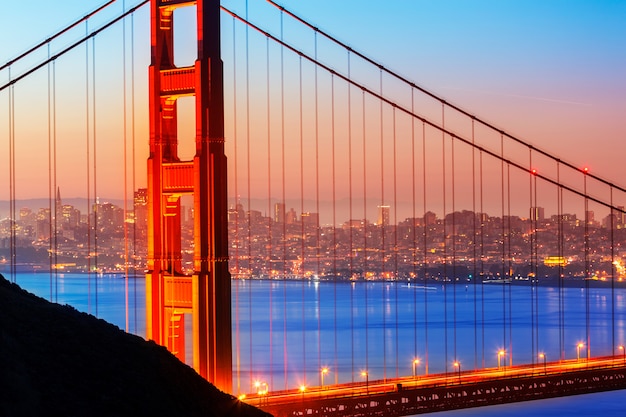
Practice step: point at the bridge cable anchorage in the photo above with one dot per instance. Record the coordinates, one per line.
(432, 124)
(433, 95)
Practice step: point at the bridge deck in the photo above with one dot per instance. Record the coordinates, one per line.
(408, 396)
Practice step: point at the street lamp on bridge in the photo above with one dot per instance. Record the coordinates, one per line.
(578, 347)
(323, 372)
(543, 356)
(501, 355)
(261, 390)
(621, 347)
(415, 363)
(457, 364)
(367, 381)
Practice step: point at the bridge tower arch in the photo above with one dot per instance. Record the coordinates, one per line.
(205, 295)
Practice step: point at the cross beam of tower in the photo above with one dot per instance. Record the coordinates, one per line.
(170, 294)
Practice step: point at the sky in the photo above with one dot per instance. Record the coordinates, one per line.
(550, 72)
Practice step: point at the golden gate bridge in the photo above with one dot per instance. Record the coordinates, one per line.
(340, 170)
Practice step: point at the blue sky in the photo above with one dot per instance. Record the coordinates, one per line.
(551, 72)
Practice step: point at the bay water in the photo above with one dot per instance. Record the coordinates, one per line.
(286, 331)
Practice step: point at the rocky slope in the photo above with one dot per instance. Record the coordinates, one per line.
(56, 361)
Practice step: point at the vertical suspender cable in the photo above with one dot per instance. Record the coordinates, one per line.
(88, 166)
(395, 239)
(474, 252)
(55, 182)
(536, 267)
(425, 248)
(317, 207)
(533, 236)
(125, 159)
(482, 263)
(133, 160)
(365, 232)
(453, 244)
(334, 223)
(510, 265)
(561, 242)
(503, 254)
(282, 212)
(302, 231)
(587, 266)
(269, 205)
(50, 184)
(350, 213)
(95, 210)
(12, 215)
(237, 213)
(613, 270)
(248, 189)
(413, 276)
(536, 285)
(54, 212)
(445, 247)
(413, 225)
(383, 224)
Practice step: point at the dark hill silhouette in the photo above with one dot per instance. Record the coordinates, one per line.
(56, 361)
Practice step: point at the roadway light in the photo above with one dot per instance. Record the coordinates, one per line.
(578, 347)
(501, 354)
(621, 347)
(302, 389)
(367, 382)
(415, 363)
(457, 364)
(323, 372)
(261, 389)
(543, 356)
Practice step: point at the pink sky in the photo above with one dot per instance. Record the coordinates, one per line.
(549, 73)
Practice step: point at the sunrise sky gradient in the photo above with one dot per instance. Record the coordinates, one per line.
(550, 72)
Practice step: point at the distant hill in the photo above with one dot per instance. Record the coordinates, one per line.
(56, 361)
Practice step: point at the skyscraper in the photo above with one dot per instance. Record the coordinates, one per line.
(279, 213)
(383, 216)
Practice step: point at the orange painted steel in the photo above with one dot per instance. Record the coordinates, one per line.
(171, 295)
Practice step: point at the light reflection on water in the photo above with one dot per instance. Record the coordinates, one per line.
(289, 330)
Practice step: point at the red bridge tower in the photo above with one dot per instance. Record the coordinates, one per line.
(206, 294)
